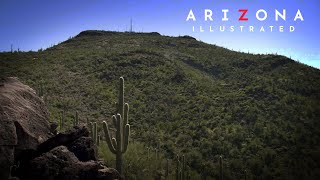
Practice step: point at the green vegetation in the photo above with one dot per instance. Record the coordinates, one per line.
(260, 112)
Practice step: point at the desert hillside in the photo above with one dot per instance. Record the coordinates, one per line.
(259, 112)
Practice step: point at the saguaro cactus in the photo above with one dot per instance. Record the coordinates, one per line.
(62, 120)
(60, 123)
(148, 149)
(149, 169)
(98, 140)
(156, 153)
(156, 158)
(76, 119)
(183, 167)
(167, 168)
(119, 144)
(40, 90)
(221, 167)
(245, 175)
(95, 132)
(90, 126)
(188, 173)
(178, 168)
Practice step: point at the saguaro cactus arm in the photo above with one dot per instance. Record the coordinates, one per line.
(126, 128)
(126, 138)
(108, 138)
(114, 143)
(125, 115)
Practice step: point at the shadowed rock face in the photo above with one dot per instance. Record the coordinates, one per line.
(29, 150)
(23, 122)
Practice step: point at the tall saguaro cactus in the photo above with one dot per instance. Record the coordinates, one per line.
(119, 144)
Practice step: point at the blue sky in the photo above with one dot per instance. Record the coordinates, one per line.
(35, 24)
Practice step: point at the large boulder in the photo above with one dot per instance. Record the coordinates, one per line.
(23, 122)
(61, 164)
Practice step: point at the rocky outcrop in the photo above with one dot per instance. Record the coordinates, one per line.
(60, 163)
(31, 148)
(68, 155)
(84, 149)
(63, 138)
(23, 122)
